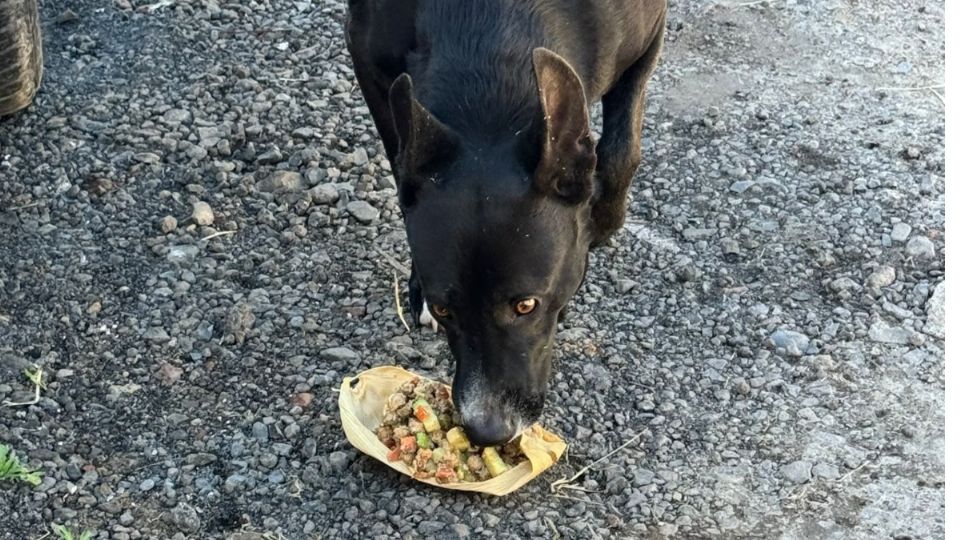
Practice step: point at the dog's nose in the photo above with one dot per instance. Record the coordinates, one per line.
(489, 430)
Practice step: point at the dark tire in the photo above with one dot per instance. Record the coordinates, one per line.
(21, 54)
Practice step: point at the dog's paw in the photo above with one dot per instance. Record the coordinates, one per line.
(426, 318)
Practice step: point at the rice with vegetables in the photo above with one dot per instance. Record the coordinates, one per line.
(421, 428)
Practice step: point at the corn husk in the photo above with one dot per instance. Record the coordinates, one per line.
(361, 411)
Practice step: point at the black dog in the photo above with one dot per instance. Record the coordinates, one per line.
(482, 106)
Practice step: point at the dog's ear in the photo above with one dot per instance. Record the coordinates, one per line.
(568, 155)
(425, 142)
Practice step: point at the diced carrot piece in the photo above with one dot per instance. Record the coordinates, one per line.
(394, 455)
(445, 474)
(408, 445)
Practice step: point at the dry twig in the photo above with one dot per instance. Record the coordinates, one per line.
(563, 482)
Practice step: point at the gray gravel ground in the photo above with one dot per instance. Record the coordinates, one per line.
(196, 227)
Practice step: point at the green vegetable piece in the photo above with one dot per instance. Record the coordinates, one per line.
(423, 440)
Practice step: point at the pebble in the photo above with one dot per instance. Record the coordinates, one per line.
(882, 332)
(363, 211)
(900, 232)
(339, 460)
(260, 431)
(883, 276)
(202, 214)
(430, 527)
(176, 116)
(624, 286)
(156, 335)
(794, 343)
(185, 518)
(270, 157)
(338, 354)
(797, 472)
(168, 224)
(936, 312)
(182, 254)
(282, 182)
(324, 194)
(826, 470)
(921, 247)
(643, 477)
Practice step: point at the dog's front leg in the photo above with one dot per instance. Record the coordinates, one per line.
(618, 153)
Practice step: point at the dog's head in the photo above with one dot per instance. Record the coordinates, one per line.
(499, 235)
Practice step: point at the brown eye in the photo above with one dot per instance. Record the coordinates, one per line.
(526, 306)
(440, 311)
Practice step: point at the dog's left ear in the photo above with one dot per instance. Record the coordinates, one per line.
(568, 155)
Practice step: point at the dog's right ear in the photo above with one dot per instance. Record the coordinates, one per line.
(425, 142)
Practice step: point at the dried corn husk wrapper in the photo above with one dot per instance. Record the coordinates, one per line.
(361, 410)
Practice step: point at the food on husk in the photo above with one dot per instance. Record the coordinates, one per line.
(420, 427)
(362, 402)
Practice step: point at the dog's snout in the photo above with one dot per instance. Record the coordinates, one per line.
(489, 429)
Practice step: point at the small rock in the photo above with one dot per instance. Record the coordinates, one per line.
(793, 342)
(921, 247)
(883, 276)
(843, 284)
(282, 182)
(176, 116)
(430, 528)
(168, 224)
(303, 133)
(202, 213)
(200, 459)
(339, 461)
(742, 185)
(259, 431)
(73, 471)
(729, 246)
(826, 470)
(302, 399)
(642, 477)
(363, 211)
(900, 232)
(460, 530)
(156, 335)
(182, 254)
(147, 484)
(270, 157)
(797, 472)
(625, 285)
(169, 373)
(338, 354)
(936, 312)
(238, 322)
(693, 234)
(668, 529)
(881, 332)
(269, 460)
(636, 499)
(324, 194)
(185, 518)
(359, 157)
(67, 16)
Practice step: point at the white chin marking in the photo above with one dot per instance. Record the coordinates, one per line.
(426, 319)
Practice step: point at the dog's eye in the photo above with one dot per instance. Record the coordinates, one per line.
(440, 311)
(526, 306)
